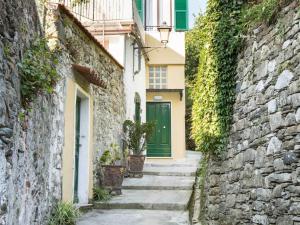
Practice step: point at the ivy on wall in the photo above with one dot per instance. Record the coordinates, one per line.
(213, 92)
(38, 72)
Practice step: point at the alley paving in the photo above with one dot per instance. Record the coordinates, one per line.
(161, 197)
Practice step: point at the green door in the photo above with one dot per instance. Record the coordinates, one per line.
(159, 144)
(77, 147)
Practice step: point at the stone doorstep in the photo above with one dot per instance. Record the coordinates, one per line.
(134, 217)
(149, 182)
(148, 199)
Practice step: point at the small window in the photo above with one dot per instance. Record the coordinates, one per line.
(157, 77)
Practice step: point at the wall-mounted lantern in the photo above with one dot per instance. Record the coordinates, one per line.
(164, 31)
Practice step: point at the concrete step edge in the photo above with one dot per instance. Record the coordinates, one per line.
(183, 174)
(159, 188)
(149, 206)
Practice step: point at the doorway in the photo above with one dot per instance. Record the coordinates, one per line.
(159, 144)
(81, 155)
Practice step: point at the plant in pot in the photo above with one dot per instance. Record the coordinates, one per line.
(137, 134)
(113, 174)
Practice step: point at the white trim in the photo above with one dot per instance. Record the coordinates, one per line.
(164, 101)
(84, 165)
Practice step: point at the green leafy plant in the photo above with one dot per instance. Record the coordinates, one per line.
(64, 214)
(213, 91)
(111, 155)
(38, 72)
(101, 194)
(264, 12)
(137, 134)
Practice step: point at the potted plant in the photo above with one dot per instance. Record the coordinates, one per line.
(113, 174)
(137, 134)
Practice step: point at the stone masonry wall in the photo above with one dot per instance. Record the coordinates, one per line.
(258, 181)
(31, 148)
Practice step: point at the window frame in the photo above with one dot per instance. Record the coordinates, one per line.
(157, 78)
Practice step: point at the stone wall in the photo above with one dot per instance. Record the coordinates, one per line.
(258, 180)
(31, 147)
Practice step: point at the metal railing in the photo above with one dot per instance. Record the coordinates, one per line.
(102, 10)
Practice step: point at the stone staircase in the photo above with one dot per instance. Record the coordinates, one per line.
(161, 197)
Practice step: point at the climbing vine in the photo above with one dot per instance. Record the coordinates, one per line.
(38, 72)
(214, 89)
(213, 95)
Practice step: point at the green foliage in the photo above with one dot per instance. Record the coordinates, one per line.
(101, 194)
(213, 94)
(137, 135)
(38, 73)
(7, 50)
(193, 42)
(78, 2)
(64, 214)
(263, 12)
(214, 89)
(111, 156)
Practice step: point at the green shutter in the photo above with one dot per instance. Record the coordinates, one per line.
(140, 8)
(181, 14)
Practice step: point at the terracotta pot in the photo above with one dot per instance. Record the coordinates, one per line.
(113, 178)
(136, 165)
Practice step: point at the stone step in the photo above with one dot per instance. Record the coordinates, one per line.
(185, 164)
(150, 182)
(170, 171)
(134, 217)
(148, 199)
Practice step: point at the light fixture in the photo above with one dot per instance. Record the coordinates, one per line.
(164, 31)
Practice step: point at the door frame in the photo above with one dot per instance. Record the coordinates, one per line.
(171, 138)
(84, 161)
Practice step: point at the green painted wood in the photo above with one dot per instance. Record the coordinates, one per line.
(181, 15)
(138, 112)
(140, 8)
(159, 144)
(77, 147)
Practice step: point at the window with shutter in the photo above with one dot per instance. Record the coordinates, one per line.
(140, 8)
(181, 15)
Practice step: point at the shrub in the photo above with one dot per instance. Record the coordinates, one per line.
(101, 194)
(137, 135)
(38, 72)
(64, 214)
(111, 156)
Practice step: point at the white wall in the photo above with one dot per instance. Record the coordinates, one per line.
(134, 83)
(117, 47)
(121, 48)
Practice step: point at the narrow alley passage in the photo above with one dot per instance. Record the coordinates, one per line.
(161, 197)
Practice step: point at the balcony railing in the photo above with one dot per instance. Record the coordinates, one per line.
(101, 10)
(105, 10)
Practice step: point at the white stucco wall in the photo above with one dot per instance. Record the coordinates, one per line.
(134, 83)
(121, 47)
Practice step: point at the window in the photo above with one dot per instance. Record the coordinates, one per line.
(157, 77)
(181, 14)
(165, 12)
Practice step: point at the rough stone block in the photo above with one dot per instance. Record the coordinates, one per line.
(274, 146)
(260, 219)
(284, 79)
(276, 121)
(272, 106)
